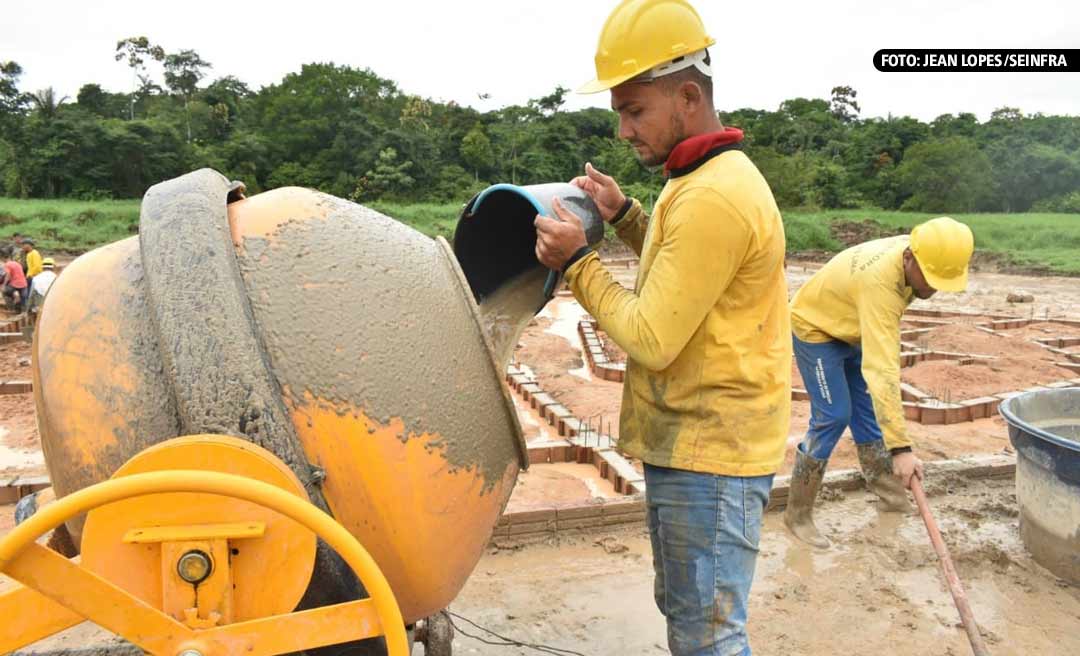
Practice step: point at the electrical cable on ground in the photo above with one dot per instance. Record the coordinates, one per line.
(505, 642)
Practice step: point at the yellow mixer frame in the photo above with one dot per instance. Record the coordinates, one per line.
(198, 545)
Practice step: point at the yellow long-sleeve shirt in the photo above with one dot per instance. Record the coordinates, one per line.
(859, 298)
(33, 263)
(706, 331)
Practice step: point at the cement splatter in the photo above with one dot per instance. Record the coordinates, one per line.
(370, 316)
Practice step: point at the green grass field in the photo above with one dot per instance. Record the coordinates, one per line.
(1026, 241)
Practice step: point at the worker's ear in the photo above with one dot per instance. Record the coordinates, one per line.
(690, 94)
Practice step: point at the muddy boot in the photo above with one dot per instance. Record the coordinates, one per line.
(799, 514)
(876, 464)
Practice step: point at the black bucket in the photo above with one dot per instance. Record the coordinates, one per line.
(495, 240)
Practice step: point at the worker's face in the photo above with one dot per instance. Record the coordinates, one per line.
(915, 278)
(27, 248)
(649, 118)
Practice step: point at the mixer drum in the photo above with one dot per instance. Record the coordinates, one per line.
(344, 342)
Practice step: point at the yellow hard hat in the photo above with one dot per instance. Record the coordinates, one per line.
(48, 262)
(642, 34)
(943, 248)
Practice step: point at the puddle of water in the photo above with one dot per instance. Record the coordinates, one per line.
(566, 314)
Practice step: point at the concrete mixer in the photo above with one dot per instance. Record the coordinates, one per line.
(274, 424)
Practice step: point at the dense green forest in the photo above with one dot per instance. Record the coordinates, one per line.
(354, 134)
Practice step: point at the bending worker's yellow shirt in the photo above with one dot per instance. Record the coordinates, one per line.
(859, 298)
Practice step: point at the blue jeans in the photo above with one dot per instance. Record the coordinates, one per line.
(832, 374)
(704, 531)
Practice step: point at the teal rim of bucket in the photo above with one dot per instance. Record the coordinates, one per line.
(553, 276)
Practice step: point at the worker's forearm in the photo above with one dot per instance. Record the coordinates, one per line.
(618, 313)
(884, 388)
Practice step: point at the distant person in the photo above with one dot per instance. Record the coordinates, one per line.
(846, 325)
(14, 283)
(20, 257)
(707, 396)
(33, 264)
(42, 282)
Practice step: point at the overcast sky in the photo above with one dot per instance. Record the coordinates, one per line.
(515, 50)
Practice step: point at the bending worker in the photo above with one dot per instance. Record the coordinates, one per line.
(846, 325)
(707, 393)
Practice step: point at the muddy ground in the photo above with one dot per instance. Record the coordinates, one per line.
(20, 448)
(877, 591)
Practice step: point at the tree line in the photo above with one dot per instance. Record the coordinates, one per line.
(352, 133)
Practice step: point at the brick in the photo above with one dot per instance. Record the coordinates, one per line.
(539, 455)
(912, 393)
(1060, 385)
(528, 389)
(912, 411)
(589, 522)
(556, 412)
(981, 408)
(530, 528)
(580, 512)
(956, 414)
(531, 516)
(569, 426)
(931, 415)
(799, 394)
(541, 401)
(16, 387)
(10, 338)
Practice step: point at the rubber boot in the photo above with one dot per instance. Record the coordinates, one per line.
(876, 464)
(799, 514)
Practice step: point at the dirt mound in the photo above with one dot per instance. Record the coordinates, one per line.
(851, 233)
(950, 381)
(961, 338)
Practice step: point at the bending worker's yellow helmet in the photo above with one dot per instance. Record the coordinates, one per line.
(943, 249)
(641, 35)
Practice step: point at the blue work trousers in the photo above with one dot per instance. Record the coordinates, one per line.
(832, 374)
(704, 530)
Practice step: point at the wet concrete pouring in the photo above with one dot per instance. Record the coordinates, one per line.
(591, 591)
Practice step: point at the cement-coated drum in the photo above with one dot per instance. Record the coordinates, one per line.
(346, 343)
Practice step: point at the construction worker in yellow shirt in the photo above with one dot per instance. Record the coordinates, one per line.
(707, 395)
(846, 325)
(33, 265)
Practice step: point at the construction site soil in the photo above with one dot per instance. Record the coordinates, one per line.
(877, 590)
(20, 448)
(879, 585)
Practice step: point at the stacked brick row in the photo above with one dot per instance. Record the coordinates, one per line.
(580, 443)
(593, 347)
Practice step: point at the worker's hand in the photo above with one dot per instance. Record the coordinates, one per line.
(905, 465)
(558, 239)
(603, 190)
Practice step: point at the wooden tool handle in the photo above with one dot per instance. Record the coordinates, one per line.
(948, 571)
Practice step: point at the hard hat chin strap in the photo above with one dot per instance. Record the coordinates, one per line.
(699, 60)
